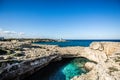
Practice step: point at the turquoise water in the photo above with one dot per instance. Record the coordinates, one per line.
(74, 68)
(84, 43)
(61, 70)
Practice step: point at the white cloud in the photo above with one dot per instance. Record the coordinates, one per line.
(21, 33)
(11, 34)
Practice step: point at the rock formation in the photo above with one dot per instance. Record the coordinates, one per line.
(24, 58)
(107, 68)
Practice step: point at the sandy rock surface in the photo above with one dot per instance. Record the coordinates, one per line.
(23, 57)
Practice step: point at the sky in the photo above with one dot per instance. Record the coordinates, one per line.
(67, 19)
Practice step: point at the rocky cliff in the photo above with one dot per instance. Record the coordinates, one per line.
(108, 63)
(23, 59)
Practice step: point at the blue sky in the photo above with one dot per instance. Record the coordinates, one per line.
(69, 19)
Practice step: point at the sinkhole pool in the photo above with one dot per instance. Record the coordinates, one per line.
(61, 70)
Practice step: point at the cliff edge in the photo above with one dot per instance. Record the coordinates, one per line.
(21, 59)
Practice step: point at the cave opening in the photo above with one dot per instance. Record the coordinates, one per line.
(64, 69)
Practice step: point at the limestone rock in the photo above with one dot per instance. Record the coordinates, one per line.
(96, 46)
(89, 65)
(105, 54)
(8, 57)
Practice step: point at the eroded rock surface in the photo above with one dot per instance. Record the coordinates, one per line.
(89, 65)
(107, 68)
(24, 58)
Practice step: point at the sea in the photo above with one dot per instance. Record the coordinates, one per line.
(66, 68)
(70, 42)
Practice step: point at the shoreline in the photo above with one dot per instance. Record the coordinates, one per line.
(35, 56)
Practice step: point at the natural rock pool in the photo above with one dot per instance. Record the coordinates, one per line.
(61, 70)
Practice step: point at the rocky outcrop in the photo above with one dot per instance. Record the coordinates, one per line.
(29, 40)
(106, 47)
(97, 46)
(18, 71)
(93, 55)
(108, 67)
(27, 58)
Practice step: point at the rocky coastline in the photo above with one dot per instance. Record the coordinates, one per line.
(19, 59)
(32, 40)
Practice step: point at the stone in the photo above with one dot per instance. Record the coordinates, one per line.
(8, 57)
(96, 46)
(89, 65)
(101, 53)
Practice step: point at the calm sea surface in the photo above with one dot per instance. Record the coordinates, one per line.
(84, 43)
